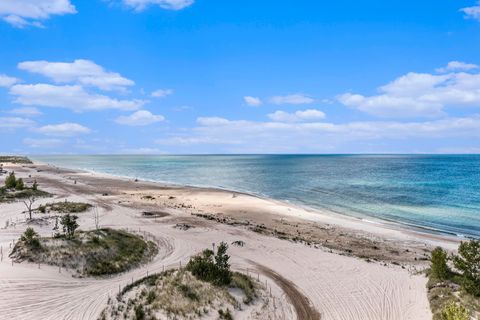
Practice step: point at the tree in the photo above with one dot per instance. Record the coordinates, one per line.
(210, 267)
(224, 276)
(439, 268)
(468, 263)
(28, 202)
(19, 185)
(452, 311)
(11, 181)
(69, 224)
(30, 237)
(35, 185)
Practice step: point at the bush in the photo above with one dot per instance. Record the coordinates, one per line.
(212, 268)
(30, 237)
(69, 223)
(11, 181)
(439, 269)
(453, 311)
(19, 185)
(35, 185)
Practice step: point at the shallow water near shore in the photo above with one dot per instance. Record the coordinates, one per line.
(440, 193)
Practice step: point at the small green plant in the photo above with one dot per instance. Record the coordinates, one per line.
(11, 181)
(452, 311)
(439, 268)
(30, 237)
(19, 185)
(35, 185)
(69, 224)
(468, 263)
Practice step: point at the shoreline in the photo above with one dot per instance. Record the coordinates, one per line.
(434, 236)
(339, 268)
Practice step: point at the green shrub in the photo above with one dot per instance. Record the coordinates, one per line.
(69, 223)
(11, 181)
(35, 185)
(19, 185)
(439, 268)
(212, 268)
(453, 311)
(468, 263)
(30, 237)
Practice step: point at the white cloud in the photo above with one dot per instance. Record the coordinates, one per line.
(84, 72)
(43, 143)
(6, 81)
(72, 97)
(14, 122)
(140, 5)
(212, 121)
(252, 101)
(161, 93)
(472, 12)
(458, 66)
(301, 115)
(271, 137)
(67, 129)
(140, 118)
(291, 99)
(26, 111)
(20, 13)
(419, 95)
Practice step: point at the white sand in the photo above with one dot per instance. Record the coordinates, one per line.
(339, 287)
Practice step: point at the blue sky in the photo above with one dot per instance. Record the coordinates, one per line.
(204, 76)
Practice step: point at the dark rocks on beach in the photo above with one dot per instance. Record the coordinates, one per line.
(183, 226)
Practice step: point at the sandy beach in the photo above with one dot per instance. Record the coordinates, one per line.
(318, 264)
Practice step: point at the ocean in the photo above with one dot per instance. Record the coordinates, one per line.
(438, 193)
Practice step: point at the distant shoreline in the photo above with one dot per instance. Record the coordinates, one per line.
(375, 225)
(381, 221)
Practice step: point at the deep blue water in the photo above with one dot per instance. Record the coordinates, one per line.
(438, 192)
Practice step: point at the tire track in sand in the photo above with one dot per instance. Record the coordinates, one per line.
(303, 307)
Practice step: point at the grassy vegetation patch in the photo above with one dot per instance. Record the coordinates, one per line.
(246, 284)
(91, 253)
(453, 293)
(65, 207)
(13, 195)
(15, 159)
(173, 294)
(204, 288)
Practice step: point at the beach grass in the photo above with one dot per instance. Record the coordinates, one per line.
(90, 253)
(65, 207)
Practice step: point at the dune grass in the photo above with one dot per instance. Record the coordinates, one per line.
(15, 159)
(91, 253)
(178, 294)
(65, 207)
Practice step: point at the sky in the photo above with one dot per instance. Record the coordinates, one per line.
(239, 76)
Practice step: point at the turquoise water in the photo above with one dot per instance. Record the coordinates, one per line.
(438, 192)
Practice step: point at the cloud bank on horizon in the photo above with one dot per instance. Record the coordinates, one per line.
(108, 99)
